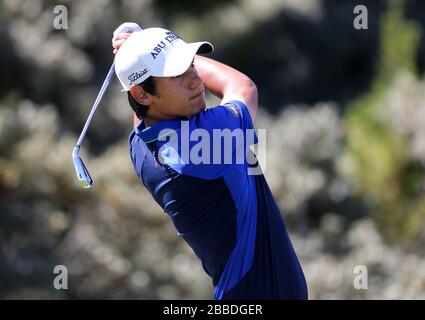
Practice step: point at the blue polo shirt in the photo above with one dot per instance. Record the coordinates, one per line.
(201, 171)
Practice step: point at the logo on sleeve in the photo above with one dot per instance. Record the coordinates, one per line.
(233, 108)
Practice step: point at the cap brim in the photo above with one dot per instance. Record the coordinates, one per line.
(180, 59)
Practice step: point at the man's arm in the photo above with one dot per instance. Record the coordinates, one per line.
(227, 83)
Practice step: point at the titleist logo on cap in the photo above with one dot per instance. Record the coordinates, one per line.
(136, 75)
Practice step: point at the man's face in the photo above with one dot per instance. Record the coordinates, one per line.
(180, 96)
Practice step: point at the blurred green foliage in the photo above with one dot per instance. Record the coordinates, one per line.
(387, 178)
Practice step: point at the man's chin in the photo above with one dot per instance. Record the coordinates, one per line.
(196, 113)
(200, 108)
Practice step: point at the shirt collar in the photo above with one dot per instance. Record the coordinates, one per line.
(151, 134)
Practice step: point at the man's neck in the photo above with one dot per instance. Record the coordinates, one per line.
(149, 122)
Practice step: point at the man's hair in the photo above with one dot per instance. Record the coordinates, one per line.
(140, 109)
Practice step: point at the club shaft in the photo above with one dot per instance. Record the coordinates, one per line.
(96, 103)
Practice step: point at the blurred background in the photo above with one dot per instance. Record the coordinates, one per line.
(344, 111)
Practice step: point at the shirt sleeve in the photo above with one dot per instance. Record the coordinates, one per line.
(232, 115)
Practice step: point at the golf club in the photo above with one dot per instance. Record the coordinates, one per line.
(83, 174)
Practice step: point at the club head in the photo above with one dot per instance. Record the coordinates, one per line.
(80, 169)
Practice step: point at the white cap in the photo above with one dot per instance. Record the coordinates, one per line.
(155, 52)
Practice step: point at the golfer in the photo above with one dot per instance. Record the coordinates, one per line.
(219, 205)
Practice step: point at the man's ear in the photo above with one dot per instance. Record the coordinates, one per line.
(140, 95)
